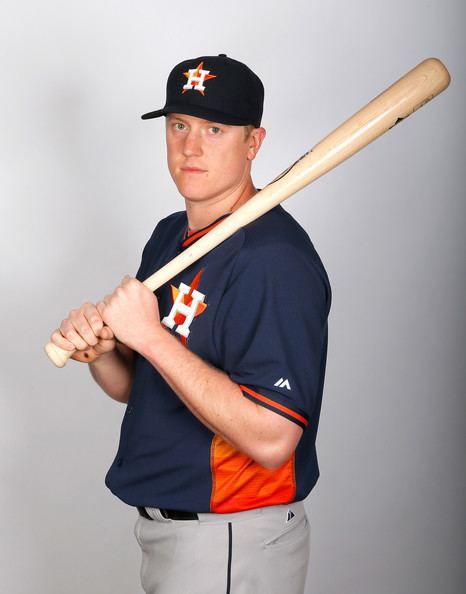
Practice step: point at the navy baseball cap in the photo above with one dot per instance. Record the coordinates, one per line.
(215, 88)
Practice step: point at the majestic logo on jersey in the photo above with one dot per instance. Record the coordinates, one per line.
(283, 383)
(188, 303)
(196, 79)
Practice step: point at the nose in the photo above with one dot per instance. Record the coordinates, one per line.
(192, 146)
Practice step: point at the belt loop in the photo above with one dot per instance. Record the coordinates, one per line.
(143, 513)
(158, 515)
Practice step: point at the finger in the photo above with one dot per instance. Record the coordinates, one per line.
(107, 299)
(82, 327)
(58, 339)
(106, 333)
(69, 332)
(93, 317)
(125, 280)
(101, 307)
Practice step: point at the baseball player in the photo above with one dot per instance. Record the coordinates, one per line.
(222, 369)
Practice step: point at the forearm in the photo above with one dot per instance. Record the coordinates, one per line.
(113, 372)
(266, 437)
(219, 403)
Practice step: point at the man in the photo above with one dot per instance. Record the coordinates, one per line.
(221, 369)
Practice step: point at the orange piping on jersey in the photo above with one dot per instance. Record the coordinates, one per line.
(193, 235)
(276, 405)
(239, 483)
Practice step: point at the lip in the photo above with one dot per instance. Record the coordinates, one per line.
(193, 170)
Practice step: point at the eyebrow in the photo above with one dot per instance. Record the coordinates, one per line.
(171, 116)
(180, 118)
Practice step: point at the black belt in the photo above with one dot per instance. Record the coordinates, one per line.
(170, 514)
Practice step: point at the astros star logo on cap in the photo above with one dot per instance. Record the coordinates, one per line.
(197, 76)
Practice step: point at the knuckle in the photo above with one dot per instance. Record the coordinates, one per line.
(75, 314)
(56, 336)
(108, 333)
(65, 326)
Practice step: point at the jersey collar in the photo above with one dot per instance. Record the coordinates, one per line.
(190, 237)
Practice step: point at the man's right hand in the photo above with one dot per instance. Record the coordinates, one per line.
(84, 331)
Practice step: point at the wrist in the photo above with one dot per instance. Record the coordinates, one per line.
(152, 341)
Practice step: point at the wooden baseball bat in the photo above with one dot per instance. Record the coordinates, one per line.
(409, 93)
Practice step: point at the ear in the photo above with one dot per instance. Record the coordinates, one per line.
(254, 142)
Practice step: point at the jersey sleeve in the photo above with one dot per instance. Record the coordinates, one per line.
(271, 329)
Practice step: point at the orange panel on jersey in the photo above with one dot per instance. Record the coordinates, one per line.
(239, 483)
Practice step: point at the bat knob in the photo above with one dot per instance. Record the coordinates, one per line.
(58, 356)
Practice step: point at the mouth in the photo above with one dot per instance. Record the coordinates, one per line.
(193, 170)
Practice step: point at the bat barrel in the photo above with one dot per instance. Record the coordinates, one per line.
(413, 90)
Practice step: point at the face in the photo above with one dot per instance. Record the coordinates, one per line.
(209, 161)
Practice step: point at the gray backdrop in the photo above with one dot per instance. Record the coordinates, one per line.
(83, 181)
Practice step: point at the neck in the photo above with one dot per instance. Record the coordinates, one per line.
(202, 214)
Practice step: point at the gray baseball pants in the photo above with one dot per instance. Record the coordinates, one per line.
(260, 551)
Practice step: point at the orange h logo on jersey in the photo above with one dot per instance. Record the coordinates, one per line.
(197, 76)
(188, 303)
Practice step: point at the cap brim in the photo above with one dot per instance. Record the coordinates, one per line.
(153, 114)
(198, 112)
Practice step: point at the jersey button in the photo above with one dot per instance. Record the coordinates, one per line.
(119, 461)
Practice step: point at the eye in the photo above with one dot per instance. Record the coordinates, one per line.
(179, 126)
(214, 130)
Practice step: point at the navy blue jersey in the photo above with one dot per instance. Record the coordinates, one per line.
(256, 307)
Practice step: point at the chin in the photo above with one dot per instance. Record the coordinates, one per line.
(195, 196)
(194, 192)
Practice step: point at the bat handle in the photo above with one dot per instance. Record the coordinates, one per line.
(59, 356)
